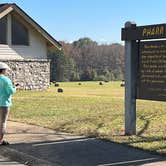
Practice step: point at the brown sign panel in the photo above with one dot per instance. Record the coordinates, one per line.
(151, 82)
(157, 31)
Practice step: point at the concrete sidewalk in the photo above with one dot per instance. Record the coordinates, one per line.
(7, 162)
(40, 146)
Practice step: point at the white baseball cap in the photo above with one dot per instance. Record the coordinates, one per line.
(4, 66)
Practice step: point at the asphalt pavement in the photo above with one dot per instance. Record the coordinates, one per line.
(40, 146)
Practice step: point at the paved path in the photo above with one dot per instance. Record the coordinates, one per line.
(7, 162)
(62, 149)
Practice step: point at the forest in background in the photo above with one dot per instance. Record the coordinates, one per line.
(86, 60)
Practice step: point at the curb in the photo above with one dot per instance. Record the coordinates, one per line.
(24, 158)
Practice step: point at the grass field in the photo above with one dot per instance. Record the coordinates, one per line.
(93, 110)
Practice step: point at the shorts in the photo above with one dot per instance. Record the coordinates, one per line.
(4, 112)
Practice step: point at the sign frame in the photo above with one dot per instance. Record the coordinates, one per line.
(156, 31)
(132, 35)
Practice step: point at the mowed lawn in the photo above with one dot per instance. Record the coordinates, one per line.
(93, 110)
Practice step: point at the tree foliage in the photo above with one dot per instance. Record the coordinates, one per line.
(86, 60)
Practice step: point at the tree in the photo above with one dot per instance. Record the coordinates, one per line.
(62, 67)
(88, 56)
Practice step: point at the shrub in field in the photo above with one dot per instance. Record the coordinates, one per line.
(122, 85)
(56, 84)
(100, 83)
(60, 90)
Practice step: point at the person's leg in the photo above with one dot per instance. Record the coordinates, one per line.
(1, 134)
(3, 120)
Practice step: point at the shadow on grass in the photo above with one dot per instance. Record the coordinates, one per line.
(150, 140)
(86, 152)
(144, 128)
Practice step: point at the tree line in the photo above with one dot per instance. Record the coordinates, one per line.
(86, 60)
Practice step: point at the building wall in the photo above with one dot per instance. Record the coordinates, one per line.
(6, 52)
(29, 64)
(29, 74)
(36, 50)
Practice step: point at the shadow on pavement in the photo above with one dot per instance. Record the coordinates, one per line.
(87, 152)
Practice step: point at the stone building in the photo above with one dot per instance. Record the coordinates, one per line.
(24, 46)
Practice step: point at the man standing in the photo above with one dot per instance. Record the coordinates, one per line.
(6, 90)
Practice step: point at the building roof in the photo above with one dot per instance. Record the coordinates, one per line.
(6, 8)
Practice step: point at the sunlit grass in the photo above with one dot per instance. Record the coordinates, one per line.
(93, 110)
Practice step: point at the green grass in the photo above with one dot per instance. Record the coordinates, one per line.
(93, 110)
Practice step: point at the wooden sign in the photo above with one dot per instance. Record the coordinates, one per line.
(151, 82)
(157, 31)
(145, 68)
(151, 72)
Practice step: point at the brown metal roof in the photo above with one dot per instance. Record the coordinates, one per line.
(43, 32)
(4, 6)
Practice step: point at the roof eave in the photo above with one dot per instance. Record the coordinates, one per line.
(10, 7)
(6, 11)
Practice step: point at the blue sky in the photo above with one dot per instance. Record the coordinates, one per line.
(101, 20)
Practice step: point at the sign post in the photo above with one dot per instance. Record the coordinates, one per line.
(145, 68)
(130, 84)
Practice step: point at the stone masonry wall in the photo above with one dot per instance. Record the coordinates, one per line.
(29, 74)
